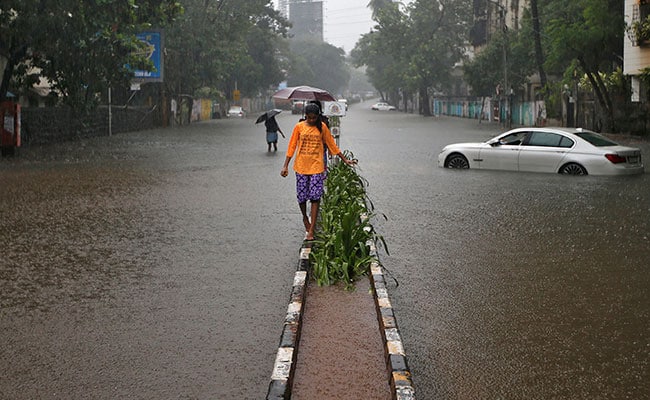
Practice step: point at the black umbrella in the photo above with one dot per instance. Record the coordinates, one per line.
(267, 115)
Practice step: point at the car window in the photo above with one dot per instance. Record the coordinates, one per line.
(566, 142)
(548, 139)
(596, 139)
(514, 139)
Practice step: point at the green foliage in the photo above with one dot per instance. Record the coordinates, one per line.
(415, 48)
(82, 47)
(318, 64)
(553, 93)
(383, 50)
(225, 45)
(436, 30)
(639, 31)
(509, 51)
(78, 46)
(341, 252)
(589, 32)
(486, 70)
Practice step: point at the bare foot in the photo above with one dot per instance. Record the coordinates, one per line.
(309, 235)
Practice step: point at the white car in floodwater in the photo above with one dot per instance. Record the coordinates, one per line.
(572, 151)
(381, 106)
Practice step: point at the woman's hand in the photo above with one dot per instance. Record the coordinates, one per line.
(284, 172)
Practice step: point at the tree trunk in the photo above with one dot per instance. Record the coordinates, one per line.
(601, 93)
(4, 83)
(13, 59)
(424, 102)
(539, 56)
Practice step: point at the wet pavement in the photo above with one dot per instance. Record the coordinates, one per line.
(340, 352)
(511, 285)
(158, 264)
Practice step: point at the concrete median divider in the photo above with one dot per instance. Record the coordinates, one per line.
(398, 371)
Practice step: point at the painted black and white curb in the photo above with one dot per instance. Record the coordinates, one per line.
(285, 359)
(400, 375)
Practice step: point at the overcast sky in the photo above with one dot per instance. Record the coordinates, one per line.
(345, 21)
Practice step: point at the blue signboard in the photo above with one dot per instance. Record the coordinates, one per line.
(153, 51)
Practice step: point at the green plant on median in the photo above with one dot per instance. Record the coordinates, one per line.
(341, 252)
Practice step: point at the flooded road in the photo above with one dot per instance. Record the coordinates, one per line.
(145, 265)
(158, 265)
(511, 285)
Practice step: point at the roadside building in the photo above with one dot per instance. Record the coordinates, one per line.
(636, 49)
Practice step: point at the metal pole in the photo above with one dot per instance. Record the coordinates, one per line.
(110, 115)
(506, 89)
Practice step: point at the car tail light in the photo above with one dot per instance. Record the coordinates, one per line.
(615, 158)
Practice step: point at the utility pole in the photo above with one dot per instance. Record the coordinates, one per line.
(506, 84)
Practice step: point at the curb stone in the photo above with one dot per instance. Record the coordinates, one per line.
(285, 360)
(396, 362)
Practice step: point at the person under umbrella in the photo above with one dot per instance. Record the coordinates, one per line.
(272, 128)
(308, 142)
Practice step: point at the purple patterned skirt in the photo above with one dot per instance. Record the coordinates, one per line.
(309, 187)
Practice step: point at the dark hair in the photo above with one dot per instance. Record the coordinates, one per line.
(314, 109)
(318, 103)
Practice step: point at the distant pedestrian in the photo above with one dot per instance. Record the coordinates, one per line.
(272, 129)
(309, 138)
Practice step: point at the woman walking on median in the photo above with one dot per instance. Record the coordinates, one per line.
(309, 138)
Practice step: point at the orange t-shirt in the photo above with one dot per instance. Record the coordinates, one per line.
(308, 140)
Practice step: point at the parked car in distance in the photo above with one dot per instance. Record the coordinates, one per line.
(236, 111)
(572, 151)
(344, 102)
(381, 106)
(297, 106)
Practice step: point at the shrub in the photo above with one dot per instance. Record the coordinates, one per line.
(341, 252)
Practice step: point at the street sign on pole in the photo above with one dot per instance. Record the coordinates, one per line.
(153, 51)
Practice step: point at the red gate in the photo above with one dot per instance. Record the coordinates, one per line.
(10, 127)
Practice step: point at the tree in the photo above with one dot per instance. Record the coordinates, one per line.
(82, 47)
(377, 5)
(591, 33)
(415, 50)
(438, 32)
(78, 46)
(537, 39)
(508, 51)
(318, 64)
(225, 44)
(485, 71)
(383, 51)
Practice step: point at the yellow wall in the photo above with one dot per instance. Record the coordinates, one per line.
(206, 109)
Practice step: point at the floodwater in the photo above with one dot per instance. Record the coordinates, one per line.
(158, 264)
(145, 265)
(511, 285)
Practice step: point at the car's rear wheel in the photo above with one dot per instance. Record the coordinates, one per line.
(457, 161)
(573, 169)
